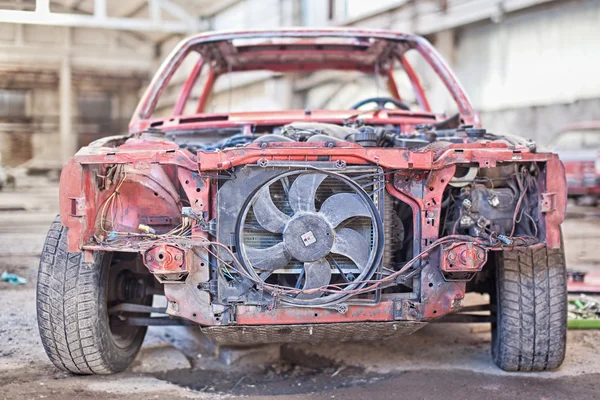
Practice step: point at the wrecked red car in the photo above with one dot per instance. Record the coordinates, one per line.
(361, 223)
(578, 146)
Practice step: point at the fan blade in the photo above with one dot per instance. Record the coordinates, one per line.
(316, 274)
(342, 206)
(268, 259)
(267, 214)
(353, 245)
(302, 192)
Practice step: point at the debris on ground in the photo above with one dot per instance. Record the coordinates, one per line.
(13, 278)
(584, 313)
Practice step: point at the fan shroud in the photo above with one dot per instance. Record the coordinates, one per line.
(359, 228)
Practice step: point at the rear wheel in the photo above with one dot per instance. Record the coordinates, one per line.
(73, 302)
(530, 298)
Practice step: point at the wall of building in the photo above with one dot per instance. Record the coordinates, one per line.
(107, 70)
(535, 71)
(528, 71)
(528, 65)
(36, 133)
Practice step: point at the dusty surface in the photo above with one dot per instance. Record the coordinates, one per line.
(443, 361)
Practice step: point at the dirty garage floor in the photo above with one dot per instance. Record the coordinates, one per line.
(443, 361)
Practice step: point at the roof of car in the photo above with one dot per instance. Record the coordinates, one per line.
(303, 32)
(302, 49)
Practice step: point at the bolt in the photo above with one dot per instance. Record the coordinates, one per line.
(480, 255)
(178, 257)
(342, 308)
(452, 256)
(149, 258)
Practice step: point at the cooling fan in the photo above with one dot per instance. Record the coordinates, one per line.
(312, 238)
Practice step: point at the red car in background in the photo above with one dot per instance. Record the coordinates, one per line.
(579, 148)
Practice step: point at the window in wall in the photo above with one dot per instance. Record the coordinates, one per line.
(20, 5)
(13, 103)
(95, 117)
(95, 107)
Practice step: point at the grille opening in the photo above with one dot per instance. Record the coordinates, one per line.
(399, 240)
(250, 234)
(261, 239)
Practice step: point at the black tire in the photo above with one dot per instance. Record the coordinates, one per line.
(530, 332)
(72, 311)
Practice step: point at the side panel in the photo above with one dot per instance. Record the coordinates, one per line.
(554, 200)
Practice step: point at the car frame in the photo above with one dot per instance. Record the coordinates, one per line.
(143, 214)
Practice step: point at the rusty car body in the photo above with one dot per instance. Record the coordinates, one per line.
(310, 225)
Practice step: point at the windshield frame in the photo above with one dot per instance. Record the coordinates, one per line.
(148, 102)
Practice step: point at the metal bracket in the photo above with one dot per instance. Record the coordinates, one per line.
(210, 286)
(406, 310)
(548, 202)
(156, 221)
(326, 165)
(461, 261)
(166, 262)
(77, 206)
(210, 227)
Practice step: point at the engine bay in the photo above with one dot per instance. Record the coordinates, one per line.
(362, 222)
(353, 130)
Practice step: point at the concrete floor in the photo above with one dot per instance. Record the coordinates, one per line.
(442, 361)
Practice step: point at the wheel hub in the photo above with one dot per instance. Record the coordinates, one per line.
(129, 287)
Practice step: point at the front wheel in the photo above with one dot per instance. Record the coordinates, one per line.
(73, 301)
(530, 329)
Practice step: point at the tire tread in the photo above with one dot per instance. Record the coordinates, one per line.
(532, 310)
(69, 310)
